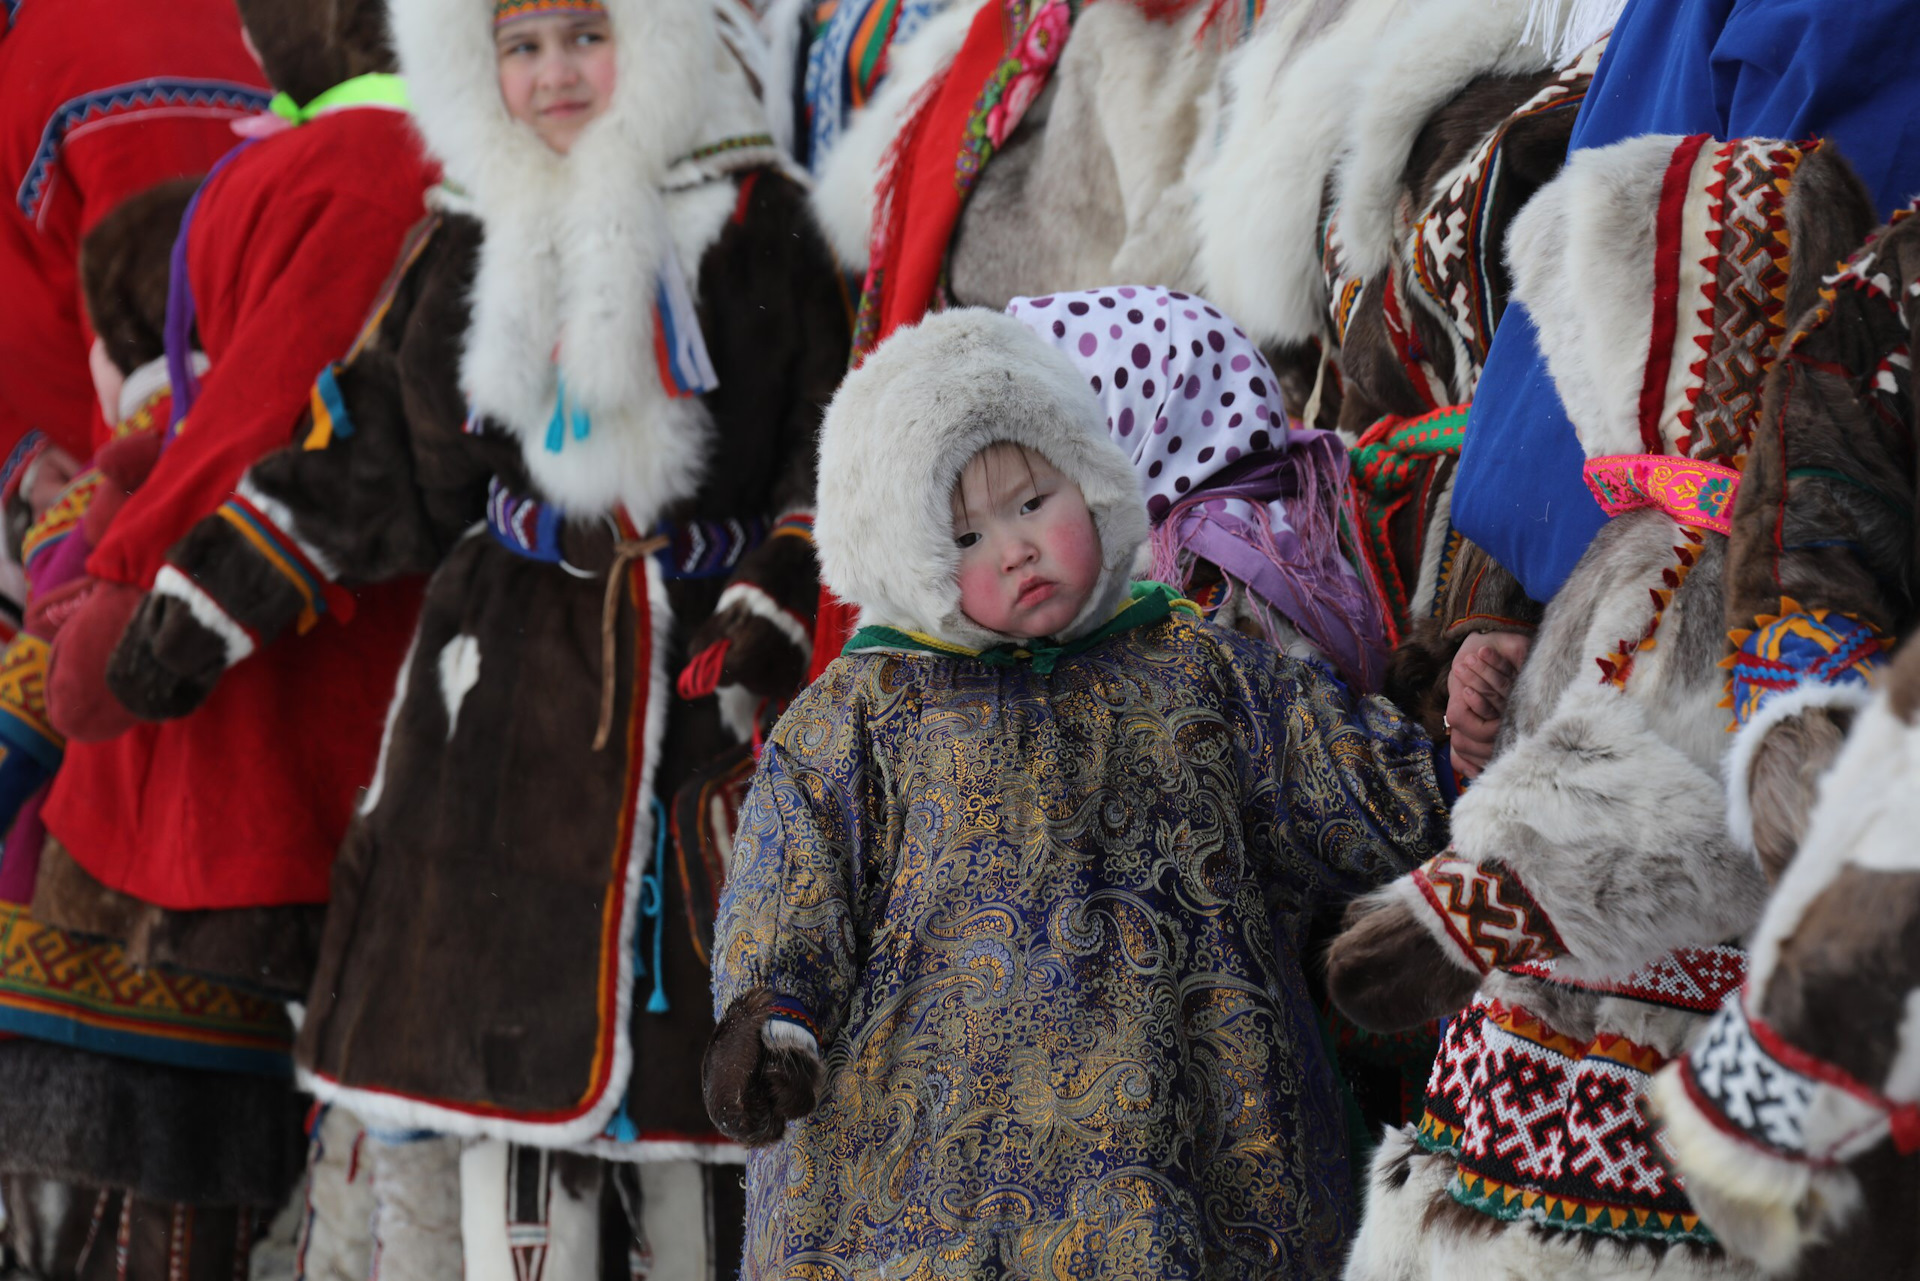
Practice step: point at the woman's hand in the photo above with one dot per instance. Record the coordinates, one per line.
(1478, 683)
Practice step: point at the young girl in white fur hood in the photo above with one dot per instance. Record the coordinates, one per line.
(1008, 965)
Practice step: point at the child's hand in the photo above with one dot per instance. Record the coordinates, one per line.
(756, 1076)
(1483, 673)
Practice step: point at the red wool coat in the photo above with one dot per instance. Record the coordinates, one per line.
(244, 802)
(99, 99)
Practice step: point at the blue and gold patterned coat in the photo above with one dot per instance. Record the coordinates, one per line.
(1047, 928)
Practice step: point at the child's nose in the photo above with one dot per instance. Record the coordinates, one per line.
(1019, 552)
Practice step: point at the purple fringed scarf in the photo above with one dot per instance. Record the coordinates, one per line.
(178, 335)
(1226, 477)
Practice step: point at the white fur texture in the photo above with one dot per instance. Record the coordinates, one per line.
(1399, 1241)
(1749, 738)
(1568, 27)
(755, 601)
(574, 244)
(843, 196)
(459, 673)
(287, 525)
(1867, 814)
(1617, 834)
(384, 1109)
(205, 610)
(779, 1033)
(1439, 49)
(1582, 255)
(902, 428)
(1258, 198)
(1762, 1207)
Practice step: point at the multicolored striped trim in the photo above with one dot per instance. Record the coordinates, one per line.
(328, 410)
(1798, 647)
(514, 10)
(318, 595)
(60, 988)
(201, 97)
(785, 1007)
(59, 521)
(679, 348)
(695, 548)
(30, 447)
(793, 525)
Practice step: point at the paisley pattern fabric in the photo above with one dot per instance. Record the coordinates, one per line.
(1048, 929)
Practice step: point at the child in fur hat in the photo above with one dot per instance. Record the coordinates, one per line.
(1011, 937)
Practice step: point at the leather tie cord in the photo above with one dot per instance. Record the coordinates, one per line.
(625, 553)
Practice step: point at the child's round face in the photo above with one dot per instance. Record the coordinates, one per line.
(1029, 554)
(556, 73)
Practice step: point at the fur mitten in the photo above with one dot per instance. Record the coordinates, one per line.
(1387, 973)
(92, 615)
(167, 661)
(759, 1073)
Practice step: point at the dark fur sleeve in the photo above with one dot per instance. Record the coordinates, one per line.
(780, 331)
(381, 477)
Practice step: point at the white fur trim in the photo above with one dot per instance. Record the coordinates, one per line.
(1432, 548)
(785, 26)
(902, 428)
(1423, 63)
(574, 244)
(459, 673)
(150, 379)
(1258, 197)
(739, 709)
(755, 601)
(206, 611)
(1582, 255)
(387, 1110)
(843, 197)
(1570, 27)
(779, 1033)
(1748, 738)
(660, 1151)
(379, 783)
(286, 524)
(1763, 1207)
(1866, 816)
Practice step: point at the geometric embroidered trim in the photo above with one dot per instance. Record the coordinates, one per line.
(1755, 1086)
(1697, 979)
(1487, 913)
(1799, 647)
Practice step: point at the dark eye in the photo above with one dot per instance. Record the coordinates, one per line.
(589, 37)
(965, 541)
(1032, 505)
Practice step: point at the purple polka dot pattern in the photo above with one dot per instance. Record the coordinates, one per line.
(1211, 403)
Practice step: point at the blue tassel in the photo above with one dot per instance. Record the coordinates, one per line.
(652, 904)
(579, 419)
(556, 429)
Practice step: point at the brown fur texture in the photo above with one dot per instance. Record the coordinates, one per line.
(753, 1089)
(1387, 973)
(269, 950)
(1785, 781)
(124, 266)
(308, 46)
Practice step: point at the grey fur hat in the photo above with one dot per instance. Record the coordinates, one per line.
(904, 426)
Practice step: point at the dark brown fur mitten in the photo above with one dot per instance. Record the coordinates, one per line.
(753, 1087)
(1387, 973)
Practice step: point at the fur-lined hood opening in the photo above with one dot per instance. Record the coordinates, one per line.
(901, 430)
(575, 243)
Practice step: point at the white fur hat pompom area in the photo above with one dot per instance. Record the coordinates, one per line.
(903, 427)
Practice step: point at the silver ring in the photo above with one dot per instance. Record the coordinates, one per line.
(613, 527)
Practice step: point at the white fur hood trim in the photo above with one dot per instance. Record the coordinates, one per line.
(575, 244)
(1440, 49)
(900, 431)
(1582, 255)
(1289, 93)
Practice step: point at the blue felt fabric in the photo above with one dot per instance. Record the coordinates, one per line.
(1791, 69)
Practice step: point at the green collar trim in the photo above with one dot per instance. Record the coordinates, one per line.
(1148, 603)
(375, 89)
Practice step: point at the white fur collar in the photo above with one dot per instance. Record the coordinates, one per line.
(148, 381)
(899, 432)
(574, 244)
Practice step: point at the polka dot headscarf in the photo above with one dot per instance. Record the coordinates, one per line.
(1186, 392)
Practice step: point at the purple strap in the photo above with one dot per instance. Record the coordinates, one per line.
(180, 306)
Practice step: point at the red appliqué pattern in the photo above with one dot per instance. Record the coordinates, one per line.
(1491, 918)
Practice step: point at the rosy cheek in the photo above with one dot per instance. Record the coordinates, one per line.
(980, 593)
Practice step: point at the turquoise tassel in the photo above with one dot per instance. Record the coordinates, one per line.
(652, 904)
(580, 420)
